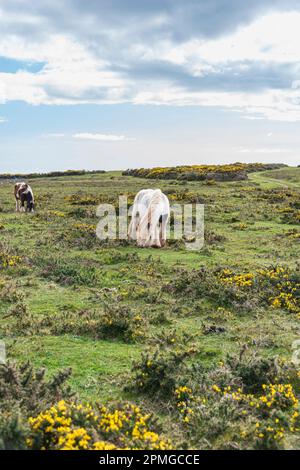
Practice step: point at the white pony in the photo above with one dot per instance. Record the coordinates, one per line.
(139, 209)
(152, 228)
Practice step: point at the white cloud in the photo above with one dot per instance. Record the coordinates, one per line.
(3, 119)
(71, 74)
(101, 137)
(272, 38)
(78, 71)
(277, 105)
(89, 136)
(266, 150)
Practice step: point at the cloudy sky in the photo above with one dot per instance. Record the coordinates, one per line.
(127, 83)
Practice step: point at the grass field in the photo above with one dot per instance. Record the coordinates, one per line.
(59, 285)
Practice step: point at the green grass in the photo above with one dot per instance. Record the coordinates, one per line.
(97, 366)
(285, 177)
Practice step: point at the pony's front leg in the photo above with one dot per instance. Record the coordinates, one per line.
(132, 229)
(17, 205)
(155, 240)
(133, 226)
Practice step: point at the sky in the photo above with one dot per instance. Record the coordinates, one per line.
(115, 84)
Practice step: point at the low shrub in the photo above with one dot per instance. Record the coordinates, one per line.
(50, 215)
(114, 322)
(73, 426)
(159, 368)
(82, 213)
(291, 217)
(8, 258)
(20, 320)
(25, 391)
(68, 272)
(213, 238)
(41, 414)
(213, 173)
(278, 287)
(123, 323)
(293, 234)
(246, 402)
(9, 291)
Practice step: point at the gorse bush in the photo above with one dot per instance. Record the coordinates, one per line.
(159, 368)
(184, 196)
(82, 213)
(247, 369)
(68, 272)
(8, 261)
(212, 238)
(81, 199)
(230, 418)
(29, 389)
(20, 319)
(278, 287)
(23, 392)
(13, 430)
(9, 291)
(123, 323)
(50, 215)
(221, 407)
(203, 283)
(73, 426)
(8, 257)
(41, 414)
(245, 402)
(113, 322)
(293, 234)
(80, 235)
(229, 172)
(252, 371)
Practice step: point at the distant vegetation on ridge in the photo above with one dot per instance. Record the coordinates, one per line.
(229, 172)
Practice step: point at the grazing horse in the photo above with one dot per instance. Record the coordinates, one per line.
(139, 208)
(23, 193)
(152, 229)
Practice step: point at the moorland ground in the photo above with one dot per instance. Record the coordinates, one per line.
(69, 300)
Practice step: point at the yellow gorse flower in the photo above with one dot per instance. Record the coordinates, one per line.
(285, 286)
(9, 261)
(72, 426)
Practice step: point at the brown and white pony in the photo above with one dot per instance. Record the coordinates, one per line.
(23, 193)
(152, 228)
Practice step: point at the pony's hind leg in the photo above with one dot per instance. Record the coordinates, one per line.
(163, 230)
